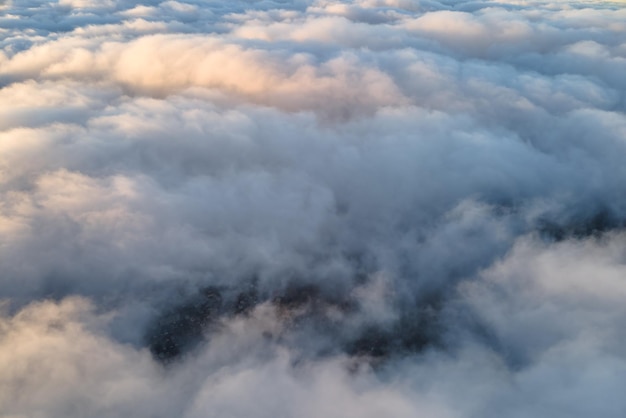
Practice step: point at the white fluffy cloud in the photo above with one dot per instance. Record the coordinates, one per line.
(312, 208)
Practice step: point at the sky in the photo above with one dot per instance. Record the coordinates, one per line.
(312, 208)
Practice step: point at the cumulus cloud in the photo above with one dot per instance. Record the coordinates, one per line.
(312, 208)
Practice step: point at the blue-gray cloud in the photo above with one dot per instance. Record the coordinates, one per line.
(312, 208)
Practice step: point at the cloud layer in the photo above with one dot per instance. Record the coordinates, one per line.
(312, 208)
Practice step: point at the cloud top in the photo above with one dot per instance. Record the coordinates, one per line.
(312, 208)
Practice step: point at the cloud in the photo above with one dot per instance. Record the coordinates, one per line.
(312, 208)
(86, 4)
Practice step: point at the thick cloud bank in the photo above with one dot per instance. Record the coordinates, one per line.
(312, 208)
